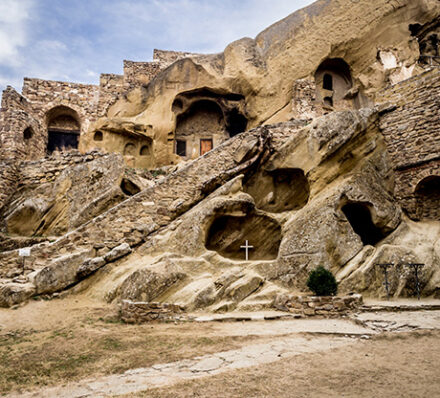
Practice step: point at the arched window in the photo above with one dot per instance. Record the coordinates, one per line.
(63, 129)
(129, 150)
(98, 136)
(327, 82)
(145, 150)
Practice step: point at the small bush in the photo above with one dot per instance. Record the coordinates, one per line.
(322, 282)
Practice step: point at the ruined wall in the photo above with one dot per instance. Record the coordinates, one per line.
(412, 133)
(165, 58)
(45, 95)
(20, 138)
(139, 73)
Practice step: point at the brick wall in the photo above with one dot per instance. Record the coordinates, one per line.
(412, 133)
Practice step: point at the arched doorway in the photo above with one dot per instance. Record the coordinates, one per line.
(427, 195)
(199, 127)
(333, 81)
(63, 129)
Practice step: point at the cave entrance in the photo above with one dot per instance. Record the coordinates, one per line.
(63, 129)
(333, 81)
(359, 217)
(428, 198)
(279, 190)
(227, 233)
(202, 124)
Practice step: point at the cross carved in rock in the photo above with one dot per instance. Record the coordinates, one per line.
(247, 247)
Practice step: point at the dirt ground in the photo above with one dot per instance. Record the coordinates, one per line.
(49, 343)
(393, 365)
(62, 341)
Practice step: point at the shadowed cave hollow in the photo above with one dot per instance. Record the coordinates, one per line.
(359, 217)
(279, 190)
(428, 199)
(227, 233)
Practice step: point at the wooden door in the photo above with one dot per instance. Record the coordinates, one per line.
(205, 146)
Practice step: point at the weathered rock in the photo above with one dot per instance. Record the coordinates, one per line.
(15, 293)
(244, 287)
(90, 266)
(60, 273)
(118, 252)
(150, 282)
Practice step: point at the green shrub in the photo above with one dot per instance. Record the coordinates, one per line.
(322, 282)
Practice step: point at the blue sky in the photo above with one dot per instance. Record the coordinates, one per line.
(76, 40)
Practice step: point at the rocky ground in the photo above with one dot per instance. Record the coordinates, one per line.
(76, 348)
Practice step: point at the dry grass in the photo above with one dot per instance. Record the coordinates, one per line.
(393, 366)
(94, 346)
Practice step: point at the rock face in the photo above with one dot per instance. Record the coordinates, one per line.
(340, 185)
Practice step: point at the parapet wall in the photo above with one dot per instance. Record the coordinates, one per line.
(412, 134)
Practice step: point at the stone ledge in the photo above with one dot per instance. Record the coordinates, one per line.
(317, 306)
(142, 312)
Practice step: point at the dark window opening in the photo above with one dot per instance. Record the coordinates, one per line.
(236, 123)
(98, 136)
(181, 147)
(359, 217)
(428, 199)
(27, 134)
(328, 101)
(59, 140)
(328, 82)
(415, 29)
(129, 188)
(145, 150)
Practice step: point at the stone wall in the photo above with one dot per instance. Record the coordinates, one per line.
(412, 133)
(136, 313)
(317, 306)
(15, 117)
(135, 218)
(139, 73)
(46, 170)
(45, 95)
(166, 58)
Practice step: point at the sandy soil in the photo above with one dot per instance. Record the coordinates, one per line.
(392, 366)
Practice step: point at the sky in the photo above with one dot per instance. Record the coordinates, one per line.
(77, 40)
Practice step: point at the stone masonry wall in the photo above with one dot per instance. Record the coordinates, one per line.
(15, 144)
(412, 133)
(45, 95)
(317, 306)
(132, 312)
(132, 220)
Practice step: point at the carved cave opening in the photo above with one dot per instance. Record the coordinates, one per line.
(278, 190)
(428, 199)
(129, 188)
(205, 114)
(63, 129)
(98, 136)
(227, 233)
(359, 217)
(201, 118)
(428, 37)
(333, 81)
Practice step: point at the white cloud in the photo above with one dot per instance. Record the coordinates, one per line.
(14, 15)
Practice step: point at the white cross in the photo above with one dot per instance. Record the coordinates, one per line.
(247, 247)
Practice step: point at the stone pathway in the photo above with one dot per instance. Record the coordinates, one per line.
(162, 375)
